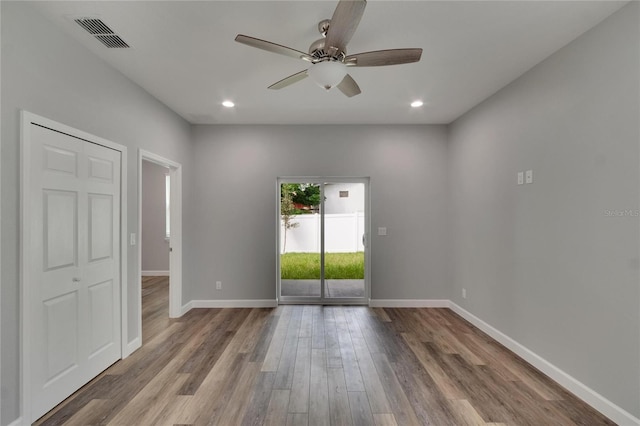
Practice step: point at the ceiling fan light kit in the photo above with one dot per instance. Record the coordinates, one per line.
(328, 54)
(327, 74)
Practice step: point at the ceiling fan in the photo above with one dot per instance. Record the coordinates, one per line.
(328, 55)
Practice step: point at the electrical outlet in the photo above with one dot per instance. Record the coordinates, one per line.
(529, 176)
(464, 293)
(218, 285)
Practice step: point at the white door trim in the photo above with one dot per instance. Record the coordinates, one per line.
(26, 119)
(175, 259)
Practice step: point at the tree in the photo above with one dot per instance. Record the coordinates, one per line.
(308, 194)
(288, 209)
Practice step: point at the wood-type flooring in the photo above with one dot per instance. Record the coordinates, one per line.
(317, 365)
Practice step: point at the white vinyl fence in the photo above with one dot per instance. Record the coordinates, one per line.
(342, 233)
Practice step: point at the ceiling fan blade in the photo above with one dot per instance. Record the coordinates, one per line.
(349, 87)
(343, 24)
(383, 57)
(272, 47)
(288, 81)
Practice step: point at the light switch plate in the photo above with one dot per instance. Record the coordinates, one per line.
(382, 231)
(132, 239)
(520, 178)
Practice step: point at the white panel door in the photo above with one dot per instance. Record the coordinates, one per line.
(75, 295)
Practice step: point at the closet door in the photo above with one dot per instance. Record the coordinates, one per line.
(74, 300)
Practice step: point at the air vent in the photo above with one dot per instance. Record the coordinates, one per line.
(94, 26)
(112, 41)
(101, 31)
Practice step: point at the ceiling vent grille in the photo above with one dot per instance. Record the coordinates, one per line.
(102, 32)
(94, 26)
(112, 41)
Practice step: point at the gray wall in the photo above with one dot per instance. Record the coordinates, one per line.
(544, 263)
(46, 72)
(234, 227)
(155, 248)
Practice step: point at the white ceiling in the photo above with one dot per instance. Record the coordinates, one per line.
(184, 54)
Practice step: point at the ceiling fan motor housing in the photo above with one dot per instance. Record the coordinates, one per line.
(320, 54)
(317, 49)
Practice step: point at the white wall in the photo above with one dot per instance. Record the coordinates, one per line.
(333, 203)
(46, 72)
(236, 169)
(343, 233)
(544, 263)
(155, 247)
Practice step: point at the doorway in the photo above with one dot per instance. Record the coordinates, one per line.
(155, 235)
(323, 228)
(173, 233)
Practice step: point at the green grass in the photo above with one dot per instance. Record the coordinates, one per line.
(306, 266)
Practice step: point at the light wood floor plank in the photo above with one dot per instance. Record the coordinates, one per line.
(257, 409)
(334, 356)
(277, 409)
(174, 411)
(145, 405)
(384, 420)
(297, 419)
(352, 374)
(88, 415)
(400, 405)
(284, 375)
(318, 365)
(318, 334)
(319, 414)
(306, 323)
(371, 381)
(447, 387)
(258, 318)
(239, 398)
(360, 409)
(299, 401)
(339, 409)
(465, 412)
(272, 358)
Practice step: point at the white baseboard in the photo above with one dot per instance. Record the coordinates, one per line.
(582, 391)
(257, 303)
(132, 346)
(408, 303)
(155, 273)
(16, 422)
(186, 308)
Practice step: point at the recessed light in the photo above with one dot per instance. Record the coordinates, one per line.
(417, 104)
(228, 104)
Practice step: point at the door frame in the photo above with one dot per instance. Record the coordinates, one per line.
(26, 120)
(367, 232)
(175, 213)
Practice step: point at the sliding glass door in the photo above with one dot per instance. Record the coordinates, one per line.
(322, 240)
